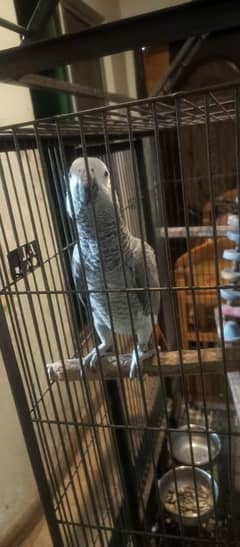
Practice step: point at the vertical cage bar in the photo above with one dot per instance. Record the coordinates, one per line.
(216, 262)
(143, 182)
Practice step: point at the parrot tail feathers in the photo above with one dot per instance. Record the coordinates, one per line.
(158, 338)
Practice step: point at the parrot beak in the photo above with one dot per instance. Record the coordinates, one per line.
(89, 188)
(83, 189)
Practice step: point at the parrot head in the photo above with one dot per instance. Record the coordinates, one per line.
(85, 185)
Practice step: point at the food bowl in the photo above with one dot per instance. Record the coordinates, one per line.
(180, 440)
(186, 494)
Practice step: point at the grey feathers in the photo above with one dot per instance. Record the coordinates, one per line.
(102, 232)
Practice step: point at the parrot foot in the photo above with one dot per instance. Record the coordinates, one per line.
(91, 359)
(138, 358)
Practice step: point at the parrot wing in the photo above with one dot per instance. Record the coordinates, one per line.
(78, 277)
(151, 280)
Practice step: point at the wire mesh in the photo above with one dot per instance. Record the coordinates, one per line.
(104, 444)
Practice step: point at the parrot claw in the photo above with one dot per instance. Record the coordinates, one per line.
(138, 358)
(91, 359)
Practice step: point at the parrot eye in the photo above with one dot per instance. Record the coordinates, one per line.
(106, 174)
(92, 170)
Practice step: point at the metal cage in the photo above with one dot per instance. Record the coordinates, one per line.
(99, 444)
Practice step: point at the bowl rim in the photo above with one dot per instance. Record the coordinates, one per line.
(201, 472)
(212, 435)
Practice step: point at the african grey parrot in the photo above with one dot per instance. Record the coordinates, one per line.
(92, 200)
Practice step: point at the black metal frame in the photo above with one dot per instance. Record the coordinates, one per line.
(158, 27)
(13, 27)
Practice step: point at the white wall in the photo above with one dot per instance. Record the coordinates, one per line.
(109, 9)
(135, 7)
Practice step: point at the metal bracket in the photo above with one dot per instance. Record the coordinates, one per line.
(24, 259)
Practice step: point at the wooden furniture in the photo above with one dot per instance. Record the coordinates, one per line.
(229, 195)
(199, 328)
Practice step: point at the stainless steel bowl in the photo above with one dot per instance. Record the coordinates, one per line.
(185, 478)
(180, 440)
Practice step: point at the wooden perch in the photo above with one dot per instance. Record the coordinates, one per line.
(194, 231)
(211, 359)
